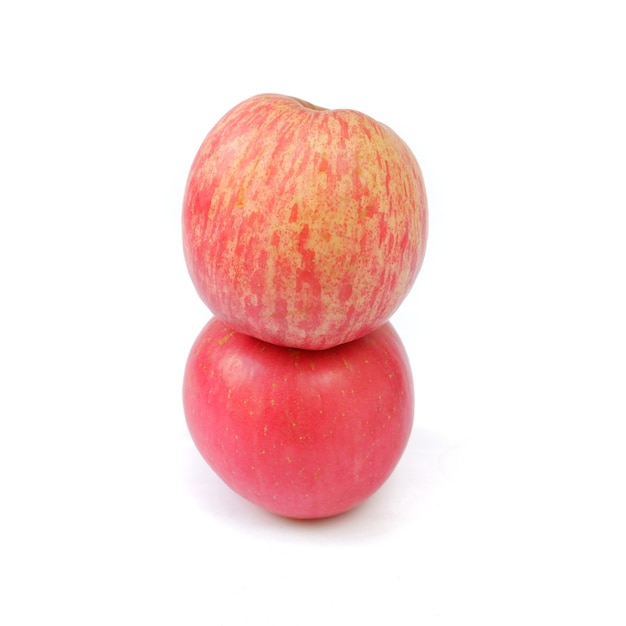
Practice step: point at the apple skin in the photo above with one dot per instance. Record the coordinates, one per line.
(303, 434)
(302, 226)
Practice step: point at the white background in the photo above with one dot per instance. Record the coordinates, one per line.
(508, 505)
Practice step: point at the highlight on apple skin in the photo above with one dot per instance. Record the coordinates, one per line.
(303, 434)
(302, 226)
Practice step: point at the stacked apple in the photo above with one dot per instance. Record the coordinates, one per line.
(303, 230)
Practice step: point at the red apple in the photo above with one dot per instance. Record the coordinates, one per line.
(304, 434)
(303, 226)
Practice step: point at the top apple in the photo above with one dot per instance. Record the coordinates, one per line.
(302, 226)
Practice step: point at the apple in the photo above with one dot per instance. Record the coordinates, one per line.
(302, 433)
(302, 226)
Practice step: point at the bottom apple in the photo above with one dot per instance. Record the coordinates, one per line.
(303, 434)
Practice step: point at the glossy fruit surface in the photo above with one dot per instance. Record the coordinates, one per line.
(304, 434)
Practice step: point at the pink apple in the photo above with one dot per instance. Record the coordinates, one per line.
(304, 434)
(303, 226)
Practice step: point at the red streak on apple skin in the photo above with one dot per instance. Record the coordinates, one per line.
(295, 217)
